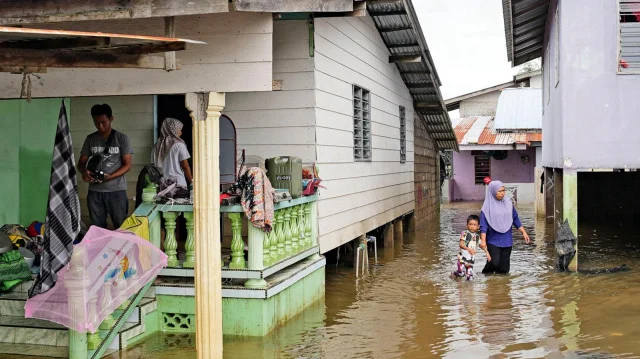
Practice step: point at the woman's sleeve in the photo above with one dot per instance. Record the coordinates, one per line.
(516, 220)
(484, 225)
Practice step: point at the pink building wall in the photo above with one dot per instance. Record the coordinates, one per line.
(509, 170)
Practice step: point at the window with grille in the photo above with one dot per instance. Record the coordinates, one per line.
(629, 19)
(482, 168)
(361, 124)
(403, 135)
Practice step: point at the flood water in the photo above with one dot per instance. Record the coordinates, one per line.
(409, 307)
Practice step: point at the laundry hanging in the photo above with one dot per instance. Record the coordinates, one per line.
(62, 224)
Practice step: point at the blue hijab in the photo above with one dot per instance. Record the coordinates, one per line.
(499, 214)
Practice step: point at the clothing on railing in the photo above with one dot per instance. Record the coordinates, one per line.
(256, 195)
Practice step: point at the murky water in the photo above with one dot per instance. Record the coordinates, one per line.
(408, 307)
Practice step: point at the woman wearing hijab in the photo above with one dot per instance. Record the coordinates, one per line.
(171, 154)
(496, 219)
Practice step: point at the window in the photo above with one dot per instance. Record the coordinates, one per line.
(361, 124)
(403, 135)
(482, 168)
(629, 36)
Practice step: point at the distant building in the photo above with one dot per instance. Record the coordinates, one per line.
(499, 136)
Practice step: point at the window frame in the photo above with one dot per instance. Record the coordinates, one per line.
(619, 68)
(361, 124)
(403, 134)
(479, 178)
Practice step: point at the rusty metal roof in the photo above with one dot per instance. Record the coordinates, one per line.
(524, 26)
(400, 30)
(479, 130)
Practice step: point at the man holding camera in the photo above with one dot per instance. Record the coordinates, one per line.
(104, 160)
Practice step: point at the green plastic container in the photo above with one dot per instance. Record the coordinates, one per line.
(286, 173)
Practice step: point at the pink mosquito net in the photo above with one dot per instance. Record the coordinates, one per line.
(106, 269)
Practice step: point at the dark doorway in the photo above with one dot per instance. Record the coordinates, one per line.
(173, 106)
(608, 213)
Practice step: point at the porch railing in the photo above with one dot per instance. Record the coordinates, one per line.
(294, 236)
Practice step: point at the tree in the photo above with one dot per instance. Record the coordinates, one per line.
(530, 66)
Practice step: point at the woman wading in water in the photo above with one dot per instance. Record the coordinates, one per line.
(496, 219)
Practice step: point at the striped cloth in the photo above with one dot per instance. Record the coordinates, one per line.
(63, 211)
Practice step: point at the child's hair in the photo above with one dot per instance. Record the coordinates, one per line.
(473, 217)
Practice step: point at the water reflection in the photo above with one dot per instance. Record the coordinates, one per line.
(408, 307)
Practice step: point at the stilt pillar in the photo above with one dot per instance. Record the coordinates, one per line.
(205, 111)
(388, 235)
(410, 222)
(570, 208)
(398, 233)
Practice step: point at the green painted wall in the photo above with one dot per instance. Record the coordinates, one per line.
(9, 162)
(253, 317)
(38, 121)
(26, 145)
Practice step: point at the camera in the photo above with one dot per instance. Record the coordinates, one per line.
(99, 176)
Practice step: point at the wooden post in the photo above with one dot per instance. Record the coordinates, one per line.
(570, 208)
(77, 283)
(170, 31)
(205, 111)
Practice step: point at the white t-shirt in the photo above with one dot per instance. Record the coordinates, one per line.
(171, 163)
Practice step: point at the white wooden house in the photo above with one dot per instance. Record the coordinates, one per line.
(350, 92)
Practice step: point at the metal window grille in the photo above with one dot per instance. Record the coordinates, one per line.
(361, 124)
(629, 49)
(482, 168)
(403, 135)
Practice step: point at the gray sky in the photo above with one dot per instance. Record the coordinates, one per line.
(466, 40)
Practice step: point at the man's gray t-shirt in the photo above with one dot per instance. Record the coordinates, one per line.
(94, 144)
(171, 163)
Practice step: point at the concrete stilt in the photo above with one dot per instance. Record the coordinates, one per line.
(410, 222)
(398, 234)
(570, 208)
(388, 235)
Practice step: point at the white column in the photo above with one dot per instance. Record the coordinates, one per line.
(205, 111)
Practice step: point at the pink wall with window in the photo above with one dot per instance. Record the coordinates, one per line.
(509, 170)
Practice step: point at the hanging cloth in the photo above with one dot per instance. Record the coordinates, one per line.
(62, 224)
(256, 197)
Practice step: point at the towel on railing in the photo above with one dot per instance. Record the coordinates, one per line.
(256, 197)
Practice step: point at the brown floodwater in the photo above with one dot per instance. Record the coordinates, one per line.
(409, 307)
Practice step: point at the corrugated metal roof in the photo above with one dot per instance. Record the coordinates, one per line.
(524, 25)
(400, 30)
(519, 109)
(480, 130)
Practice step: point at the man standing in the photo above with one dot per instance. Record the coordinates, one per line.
(104, 160)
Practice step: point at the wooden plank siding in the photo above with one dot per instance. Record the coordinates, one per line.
(237, 57)
(280, 122)
(360, 196)
(133, 116)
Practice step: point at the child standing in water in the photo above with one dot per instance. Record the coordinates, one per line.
(469, 244)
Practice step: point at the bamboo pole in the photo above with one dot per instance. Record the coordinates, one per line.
(205, 111)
